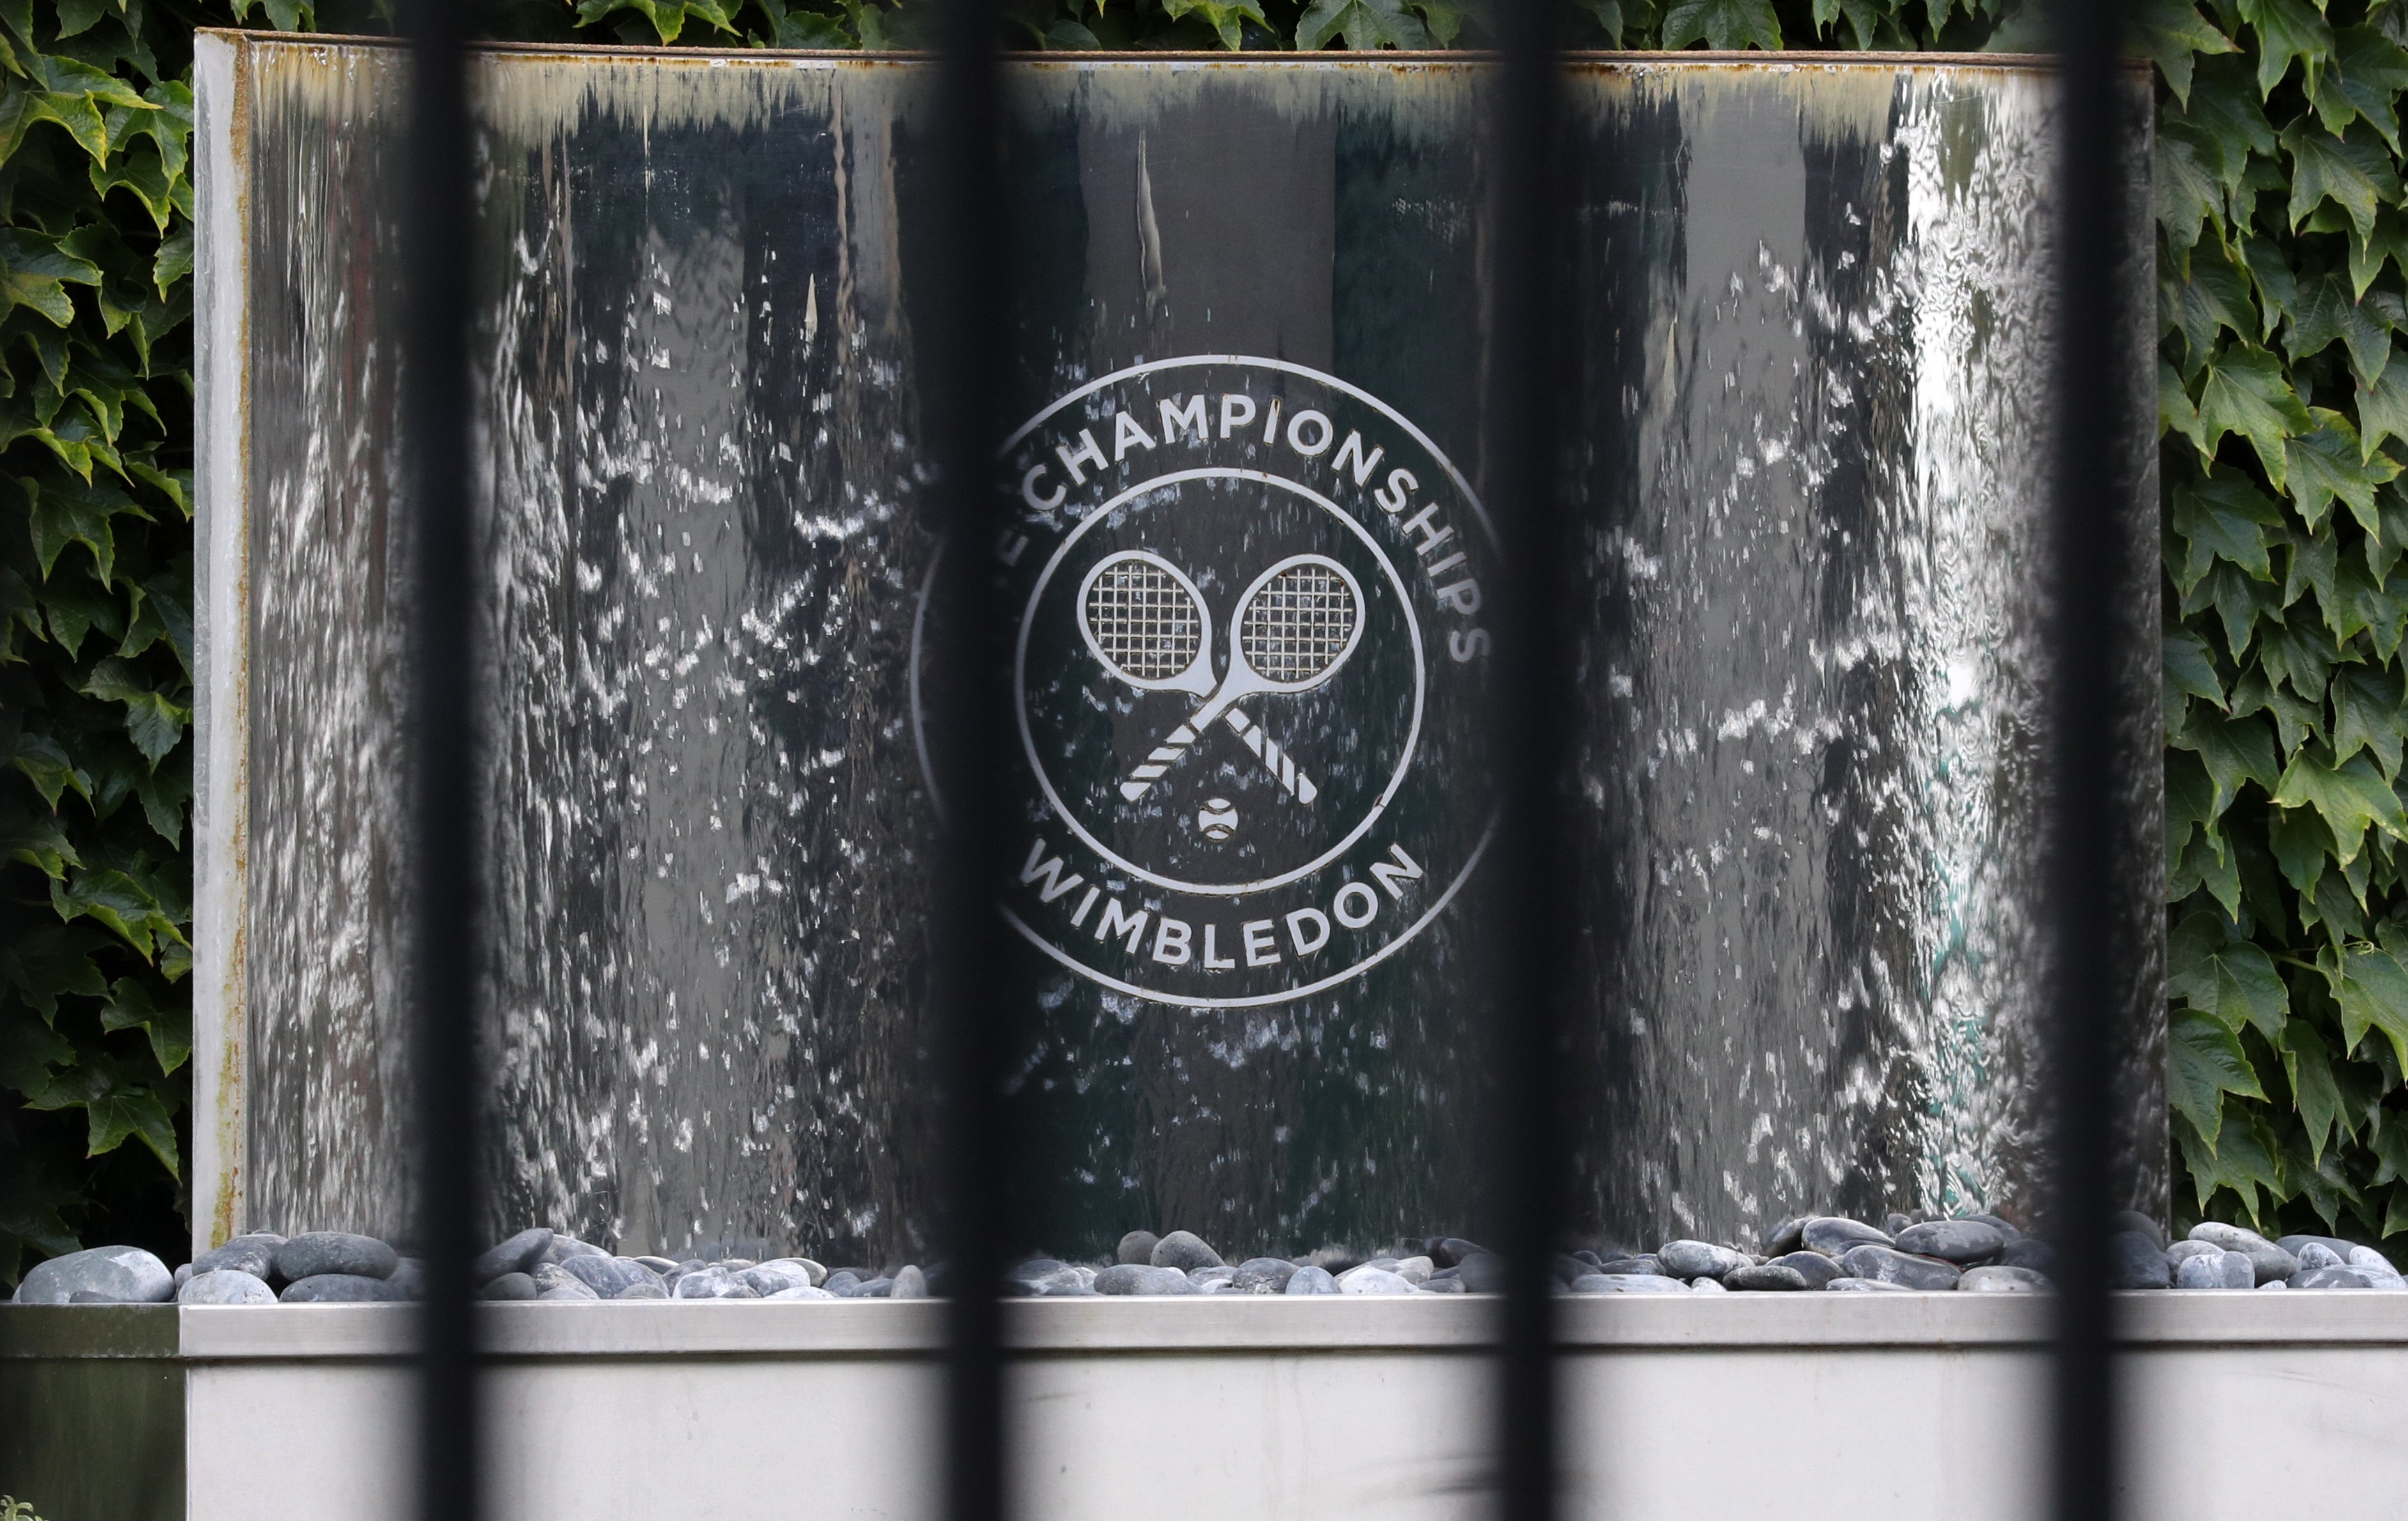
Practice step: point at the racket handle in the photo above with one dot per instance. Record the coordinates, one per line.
(1280, 763)
(1165, 756)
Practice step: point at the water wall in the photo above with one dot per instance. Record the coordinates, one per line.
(1242, 521)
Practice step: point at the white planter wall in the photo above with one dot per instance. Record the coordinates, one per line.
(1805, 1408)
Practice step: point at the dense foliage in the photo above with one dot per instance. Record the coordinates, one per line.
(2283, 274)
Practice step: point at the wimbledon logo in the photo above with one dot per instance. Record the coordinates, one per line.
(1246, 676)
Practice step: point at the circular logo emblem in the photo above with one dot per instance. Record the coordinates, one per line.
(1245, 679)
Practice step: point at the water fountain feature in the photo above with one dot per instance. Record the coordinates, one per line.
(1809, 301)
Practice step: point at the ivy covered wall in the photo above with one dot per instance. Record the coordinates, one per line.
(2283, 265)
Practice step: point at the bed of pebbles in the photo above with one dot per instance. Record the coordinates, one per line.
(1978, 1253)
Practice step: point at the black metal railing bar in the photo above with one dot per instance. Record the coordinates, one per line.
(445, 868)
(1534, 930)
(2083, 630)
(974, 1024)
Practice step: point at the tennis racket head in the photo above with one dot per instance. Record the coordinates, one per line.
(1298, 623)
(1145, 623)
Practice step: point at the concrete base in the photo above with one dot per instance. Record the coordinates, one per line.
(1803, 1408)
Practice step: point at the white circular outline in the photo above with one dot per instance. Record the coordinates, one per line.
(1020, 680)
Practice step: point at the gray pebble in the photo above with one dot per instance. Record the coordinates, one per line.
(802, 1292)
(1649, 1263)
(2142, 1225)
(316, 1254)
(515, 1255)
(510, 1286)
(2182, 1250)
(881, 1287)
(561, 1248)
(2334, 1244)
(1306, 1280)
(2331, 1278)
(2136, 1261)
(1133, 1278)
(1628, 1282)
(1263, 1275)
(341, 1288)
(2376, 1268)
(100, 1275)
(2031, 1251)
(909, 1284)
(1415, 1270)
(1863, 1286)
(665, 1267)
(1955, 1240)
(2268, 1259)
(608, 1276)
(2317, 1254)
(1698, 1259)
(1447, 1285)
(570, 1292)
(1768, 1278)
(183, 1275)
(1186, 1251)
(650, 1290)
(1706, 1285)
(1370, 1280)
(1483, 1272)
(711, 1283)
(1887, 1265)
(1204, 1277)
(254, 1253)
(1786, 1237)
(1834, 1236)
(225, 1286)
(1137, 1249)
(1449, 1251)
(2004, 1227)
(1999, 1279)
(1817, 1270)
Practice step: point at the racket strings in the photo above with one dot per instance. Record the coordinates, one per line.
(1298, 624)
(1144, 622)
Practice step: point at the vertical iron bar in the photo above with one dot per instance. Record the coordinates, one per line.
(445, 878)
(973, 1015)
(2086, 609)
(1535, 924)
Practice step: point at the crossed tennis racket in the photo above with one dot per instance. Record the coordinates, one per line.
(1147, 624)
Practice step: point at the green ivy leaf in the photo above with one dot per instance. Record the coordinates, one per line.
(2215, 296)
(31, 1054)
(39, 841)
(2353, 797)
(2191, 668)
(2233, 750)
(154, 720)
(2354, 172)
(2231, 981)
(114, 1110)
(34, 272)
(2247, 391)
(2204, 1062)
(2327, 312)
(2301, 844)
(44, 962)
(41, 760)
(2383, 407)
(2369, 72)
(2369, 714)
(2371, 988)
(2223, 517)
(2313, 1093)
(2187, 183)
(2328, 465)
(130, 1007)
(2278, 287)
(70, 512)
(2169, 32)
(1227, 18)
(1367, 25)
(1724, 26)
(2287, 30)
